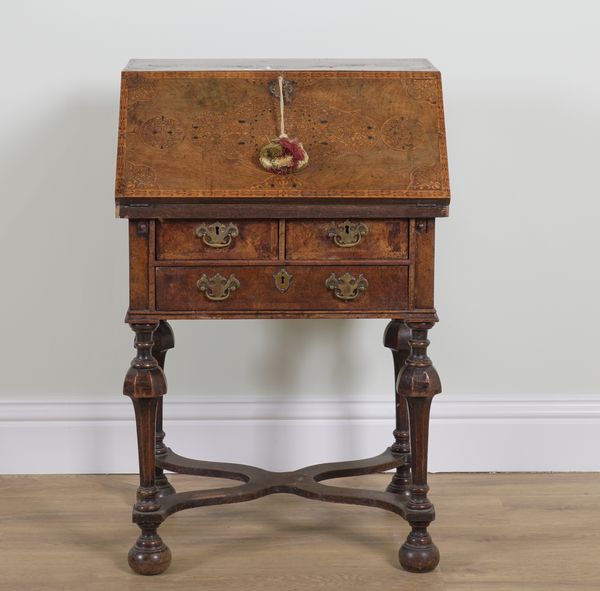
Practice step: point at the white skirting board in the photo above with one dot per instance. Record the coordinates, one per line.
(467, 435)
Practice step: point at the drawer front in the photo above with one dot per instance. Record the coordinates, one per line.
(324, 287)
(346, 239)
(187, 240)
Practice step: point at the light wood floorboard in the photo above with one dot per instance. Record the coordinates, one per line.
(496, 532)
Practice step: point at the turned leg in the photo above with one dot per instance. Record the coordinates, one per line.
(163, 340)
(396, 338)
(419, 382)
(145, 384)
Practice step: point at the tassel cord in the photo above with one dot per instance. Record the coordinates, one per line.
(281, 109)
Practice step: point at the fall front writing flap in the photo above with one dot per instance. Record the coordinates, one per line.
(199, 133)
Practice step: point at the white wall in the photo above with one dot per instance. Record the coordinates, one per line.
(517, 263)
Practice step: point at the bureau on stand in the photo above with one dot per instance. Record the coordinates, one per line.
(215, 235)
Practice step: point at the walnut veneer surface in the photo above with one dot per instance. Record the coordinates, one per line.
(196, 133)
(213, 235)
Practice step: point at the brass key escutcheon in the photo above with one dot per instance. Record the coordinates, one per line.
(283, 280)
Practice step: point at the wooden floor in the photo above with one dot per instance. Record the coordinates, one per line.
(524, 531)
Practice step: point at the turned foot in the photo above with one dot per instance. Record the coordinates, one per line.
(149, 555)
(419, 554)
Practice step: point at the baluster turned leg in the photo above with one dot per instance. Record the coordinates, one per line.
(163, 341)
(145, 384)
(419, 382)
(396, 338)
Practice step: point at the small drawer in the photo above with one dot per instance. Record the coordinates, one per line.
(346, 239)
(268, 288)
(189, 240)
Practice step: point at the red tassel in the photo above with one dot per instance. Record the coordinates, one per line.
(284, 148)
(293, 148)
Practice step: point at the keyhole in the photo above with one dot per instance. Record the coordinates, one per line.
(217, 230)
(282, 280)
(347, 229)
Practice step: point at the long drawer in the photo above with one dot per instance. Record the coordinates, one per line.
(295, 287)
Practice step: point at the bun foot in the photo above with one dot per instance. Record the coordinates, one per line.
(149, 555)
(419, 554)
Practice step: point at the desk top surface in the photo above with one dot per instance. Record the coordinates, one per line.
(229, 64)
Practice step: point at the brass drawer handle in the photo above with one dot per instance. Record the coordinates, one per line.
(217, 235)
(218, 288)
(346, 286)
(347, 233)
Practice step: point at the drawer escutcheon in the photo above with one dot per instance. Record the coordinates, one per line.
(283, 280)
(346, 286)
(218, 288)
(217, 235)
(347, 233)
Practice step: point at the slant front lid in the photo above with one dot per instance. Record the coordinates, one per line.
(194, 129)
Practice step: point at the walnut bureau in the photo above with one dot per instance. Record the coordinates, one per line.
(213, 234)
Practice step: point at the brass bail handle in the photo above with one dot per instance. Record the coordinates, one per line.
(347, 234)
(217, 235)
(346, 287)
(218, 288)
